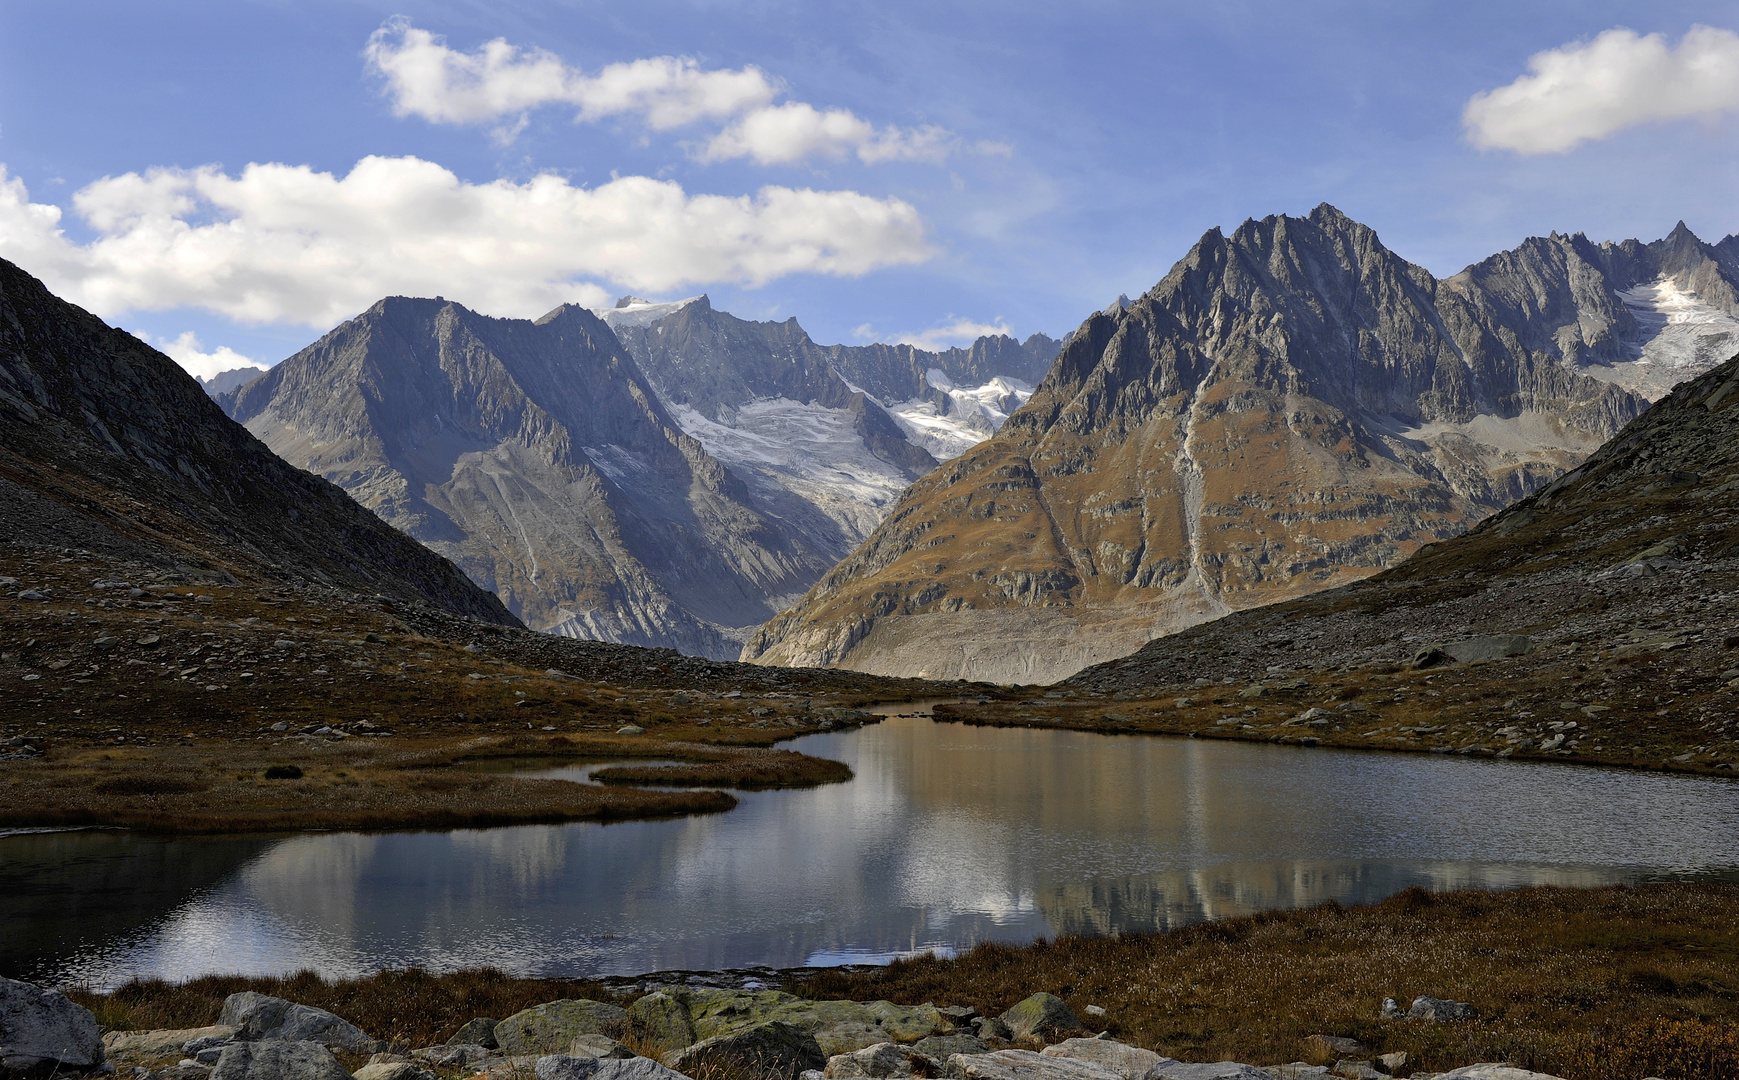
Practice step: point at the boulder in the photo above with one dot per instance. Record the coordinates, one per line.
(259, 1018)
(989, 1027)
(469, 1056)
(278, 1059)
(1334, 1046)
(1038, 1014)
(880, 1061)
(1219, 1070)
(552, 1027)
(663, 1021)
(168, 1045)
(940, 1048)
(839, 1027)
(1348, 1069)
(1393, 1063)
(41, 1027)
(1440, 1011)
(1470, 650)
(478, 1032)
(580, 1067)
(1129, 1062)
(1024, 1065)
(393, 1070)
(1299, 1070)
(599, 1046)
(771, 1049)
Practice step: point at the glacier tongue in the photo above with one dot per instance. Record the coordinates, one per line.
(1682, 337)
(964, 418)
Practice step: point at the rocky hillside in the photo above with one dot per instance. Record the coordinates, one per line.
(538, 458)
(1292, 408)
(107, 445)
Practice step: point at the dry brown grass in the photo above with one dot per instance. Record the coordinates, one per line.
(1564, 980)
(749, 771)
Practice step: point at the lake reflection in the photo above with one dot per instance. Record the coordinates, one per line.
(948, 836)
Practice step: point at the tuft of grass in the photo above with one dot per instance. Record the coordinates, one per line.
(284, 772)
(749, 771)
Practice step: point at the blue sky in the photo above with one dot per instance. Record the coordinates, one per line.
(963, 165)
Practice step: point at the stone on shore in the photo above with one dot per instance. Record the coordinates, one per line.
(477, 1032)
(879, 1061)
(278, 1059)
(1025, 1065)
(580, 1067)
(260, 1018)
(940, 1048)
(457, 1055)
(1039, 1014)
(41, 1027)
(1218, 1070)
(598, 1046)
(662, 1021)
(839, 1027)
(552, 1027)
(1129, 1062)
(167, 1045)
(393, 1070)
(771, 1049)
(1440, 1011)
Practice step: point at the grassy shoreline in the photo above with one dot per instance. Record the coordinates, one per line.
(1612, 983)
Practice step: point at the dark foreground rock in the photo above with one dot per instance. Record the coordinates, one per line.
(41, 1029)
(772, 1049)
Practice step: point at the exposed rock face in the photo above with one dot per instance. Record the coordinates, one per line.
(537, 457)
(262, 1017)
(107, 444)
(278, 1060)
(225, 382)
(1292, 408)
(552, 1027)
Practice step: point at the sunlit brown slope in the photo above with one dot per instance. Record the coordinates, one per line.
(1292, 408)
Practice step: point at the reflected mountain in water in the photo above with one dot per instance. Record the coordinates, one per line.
(947, 836)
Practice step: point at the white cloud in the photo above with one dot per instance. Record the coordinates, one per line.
(189, 352)
(501, 83)
(780, 134)
(1592, 89)
(958, 332)
(281, 243)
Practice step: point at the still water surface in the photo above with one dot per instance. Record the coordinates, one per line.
(948, 836)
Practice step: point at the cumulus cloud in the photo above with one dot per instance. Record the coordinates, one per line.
(957, 332)
(188, 351)
(282, 243)
(780, 134)
(1592, 89)
(501, 83)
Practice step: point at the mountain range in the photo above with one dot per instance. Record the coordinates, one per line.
(1291, 408)
(667, 475)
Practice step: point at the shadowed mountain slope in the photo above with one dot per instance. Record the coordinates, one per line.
(536, 456)
(1291, 408)
(107, 445)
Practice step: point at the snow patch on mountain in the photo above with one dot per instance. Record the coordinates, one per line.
(955, 419)
(809, 451)
(1681, 337)
(633, 311)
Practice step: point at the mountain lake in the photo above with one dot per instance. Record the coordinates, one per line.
(949, 835)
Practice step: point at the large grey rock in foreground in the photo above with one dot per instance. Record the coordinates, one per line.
(1218, 1070)
(144, 1047)
(1040, 1013)
(39, 1027)
(772, 1049)
(943, 1047)
(259, 1017)
(477, 1032)
(551, 1028)
(276, 1059)
(397, 1069)
(1129, 1062)
(662, 1021)
(879, 1062)
(579, 1067)
(1025, 1065)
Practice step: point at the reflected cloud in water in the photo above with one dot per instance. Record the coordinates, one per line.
(948, 836)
